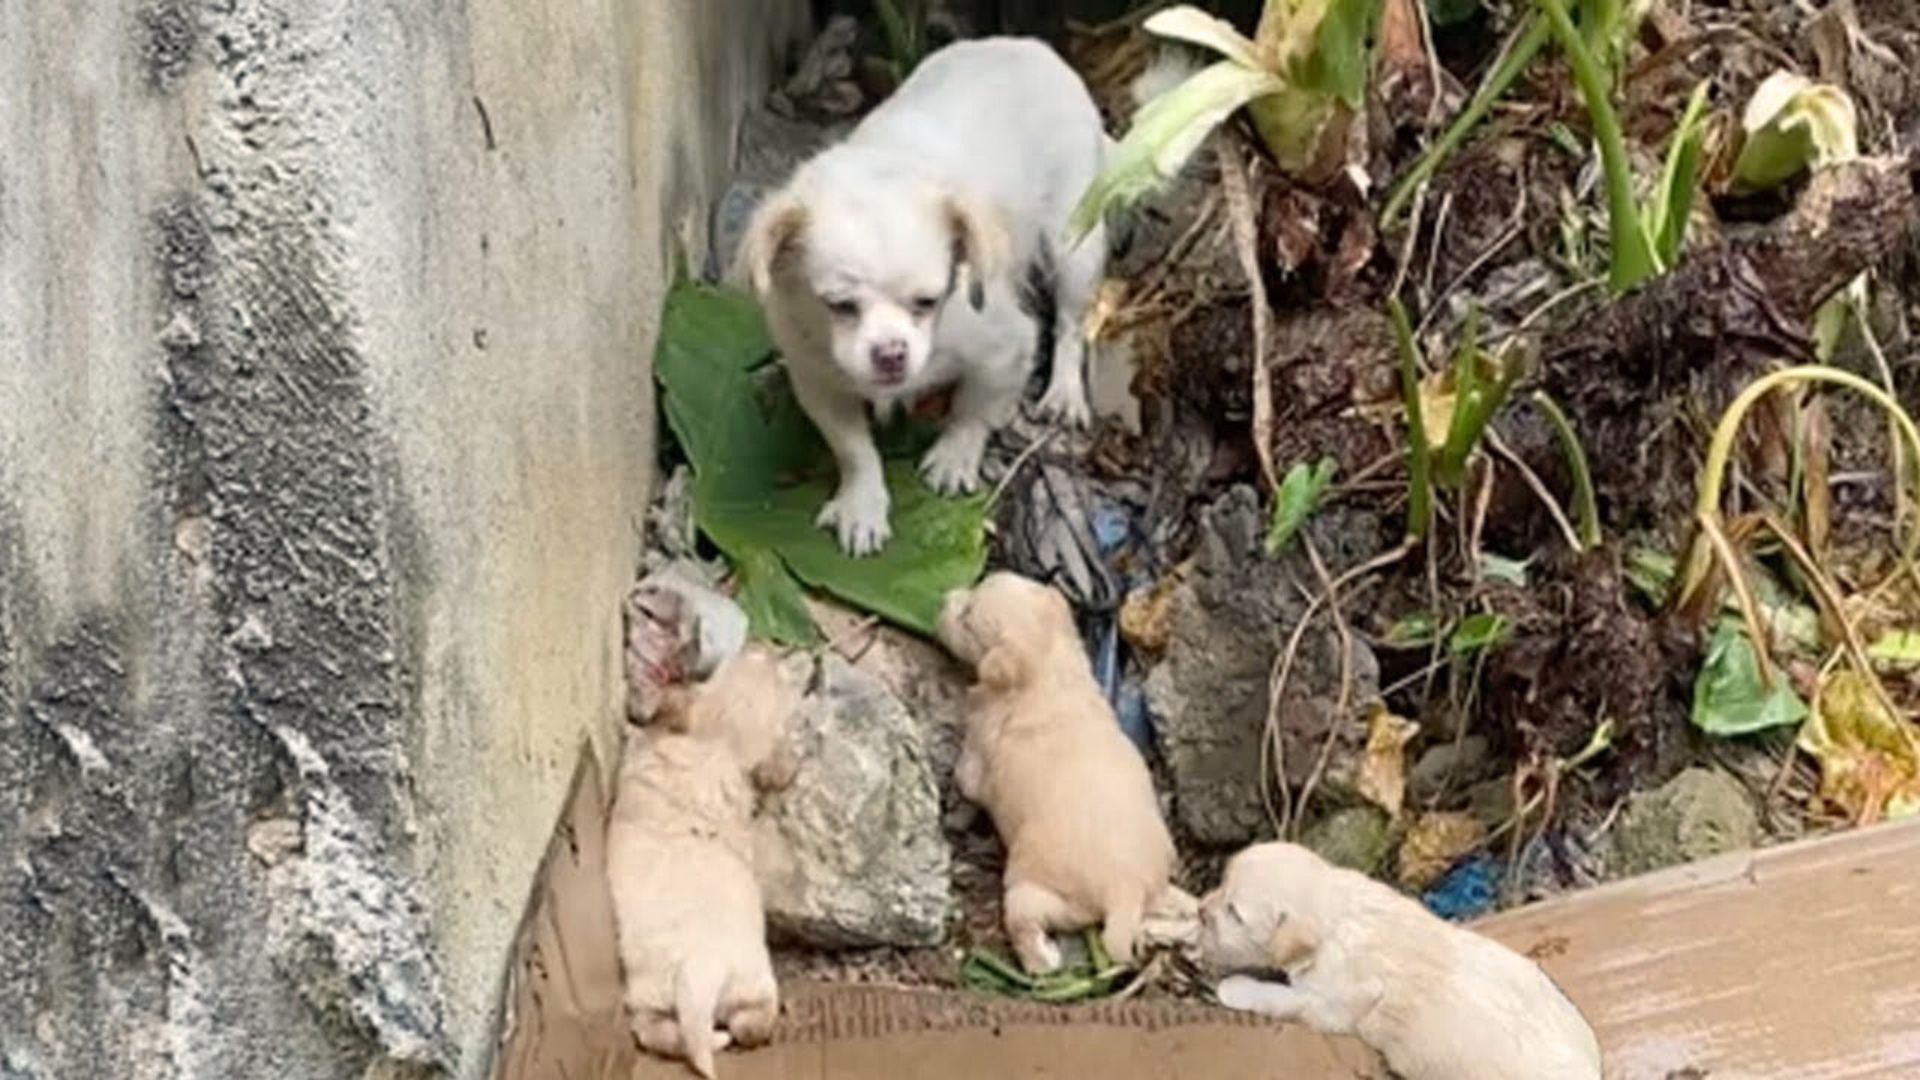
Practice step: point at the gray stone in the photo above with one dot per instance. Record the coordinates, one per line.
(852, 854)
(1228, 620)
(1698, 814)
(1358, 838)
(1448, 766)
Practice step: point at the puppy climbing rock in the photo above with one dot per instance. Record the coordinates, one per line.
(891, 264)
(687, 908)
(1069, 794)
(1439, 1002)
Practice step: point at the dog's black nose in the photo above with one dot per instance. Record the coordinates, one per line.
(890, 359)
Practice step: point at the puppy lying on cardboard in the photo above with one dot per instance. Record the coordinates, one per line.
(1069, 794)
(1439, 1002)
(687, 908)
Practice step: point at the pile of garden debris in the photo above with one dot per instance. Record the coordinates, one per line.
(1587, 591)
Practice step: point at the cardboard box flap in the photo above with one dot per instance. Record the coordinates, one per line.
(1794, 963)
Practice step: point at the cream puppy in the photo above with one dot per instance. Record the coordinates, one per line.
(892, 264)
(1068, 793)
(692, 932)
(1437, 1001)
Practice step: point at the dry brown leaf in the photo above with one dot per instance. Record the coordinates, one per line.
(1869, 758)
(1383, 772)
(1145, 616)
(1434, 843)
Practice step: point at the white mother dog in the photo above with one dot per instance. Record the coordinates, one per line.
(891, 264)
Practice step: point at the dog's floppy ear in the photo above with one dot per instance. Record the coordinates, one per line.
(775, 232)
(1002, 668)
(980, 245)
(1292, 941)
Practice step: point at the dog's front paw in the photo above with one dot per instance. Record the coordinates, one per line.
(1246, 994)
(952, 466)
(1065, 403)
(857, 517)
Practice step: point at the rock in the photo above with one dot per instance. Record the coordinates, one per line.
(1449, 765)
(1696, 815)
(852, 854)
(1358, 838)
(1227, 620)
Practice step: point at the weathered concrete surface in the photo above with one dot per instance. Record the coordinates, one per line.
(325, 435)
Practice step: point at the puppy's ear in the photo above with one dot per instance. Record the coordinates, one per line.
(1002, 668)
(1292, 941)
(981, 246)
(775, 234)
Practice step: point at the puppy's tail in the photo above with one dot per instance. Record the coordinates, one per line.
(1125, 909)
(696, 993)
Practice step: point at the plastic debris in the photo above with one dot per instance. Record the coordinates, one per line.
(1467, 890)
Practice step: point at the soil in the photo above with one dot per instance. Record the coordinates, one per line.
(1511, 221)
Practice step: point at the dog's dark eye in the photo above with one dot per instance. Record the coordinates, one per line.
(844, 309)
(925, 305)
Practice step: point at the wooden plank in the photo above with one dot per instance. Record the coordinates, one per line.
(1792, 963)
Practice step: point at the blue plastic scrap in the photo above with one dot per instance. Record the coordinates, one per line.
(1469, 889)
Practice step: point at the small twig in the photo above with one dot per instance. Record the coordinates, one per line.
(1896, 463)
(1233, 177)
(1516, 224)
(1539, 489)
(1013, 470)
(1743, 591)
(1344, 638)
(1440, 222)
(1272, 751)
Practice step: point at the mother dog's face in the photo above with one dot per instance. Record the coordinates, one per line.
(876, 258)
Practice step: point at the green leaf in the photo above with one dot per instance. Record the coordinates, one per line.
(1477, 633)
(1195, 27)
(1896, 647)
(761, 474)
(1418, 628)
(1728, 698)
(1500, 568)
(1651, 573)
(1165, 133)
(1297, 499)
(1793, 124)
(1451, 12)
(1338, 64)
(1673, 202)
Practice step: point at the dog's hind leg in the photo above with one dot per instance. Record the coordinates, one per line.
(753, 1008)
(1077, 274)
(1032, 911)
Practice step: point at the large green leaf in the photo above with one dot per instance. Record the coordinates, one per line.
(761, 473)
(1728, 696)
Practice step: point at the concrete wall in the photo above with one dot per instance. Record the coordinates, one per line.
(325, 440)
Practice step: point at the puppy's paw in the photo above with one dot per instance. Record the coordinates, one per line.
(1242, 992)
(952, 466)
(1039, 955)
(857, 517)
(1065, 403)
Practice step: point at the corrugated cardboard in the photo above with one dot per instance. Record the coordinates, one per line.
(1795, 963)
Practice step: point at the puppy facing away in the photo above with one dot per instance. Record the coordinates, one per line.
(1439, 1002)
(891, 264)
(1069, 794)
(691, 928)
